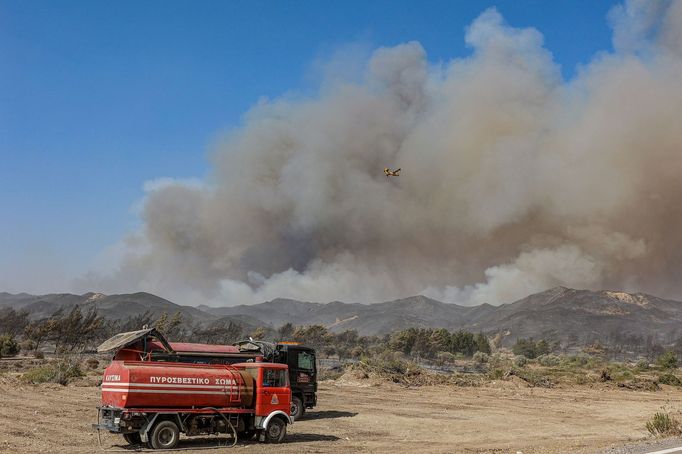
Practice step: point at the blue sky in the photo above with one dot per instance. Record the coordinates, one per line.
(98, 97)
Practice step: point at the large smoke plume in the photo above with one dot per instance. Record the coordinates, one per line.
(514, 180)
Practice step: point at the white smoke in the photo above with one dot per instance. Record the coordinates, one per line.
(513, 180)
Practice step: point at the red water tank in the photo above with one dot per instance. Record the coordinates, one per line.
(137, 384)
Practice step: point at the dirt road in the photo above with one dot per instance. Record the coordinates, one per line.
(501, 418)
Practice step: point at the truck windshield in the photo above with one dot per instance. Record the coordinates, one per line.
(274, 378)
(306, 361)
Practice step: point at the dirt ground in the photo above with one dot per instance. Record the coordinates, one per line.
(368, 417)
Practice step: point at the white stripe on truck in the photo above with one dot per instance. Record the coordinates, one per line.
(161, 391)
(163, 385)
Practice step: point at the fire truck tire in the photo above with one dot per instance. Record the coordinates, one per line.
(297, 408)
(276, 431)
(165, 435)
(133, 438)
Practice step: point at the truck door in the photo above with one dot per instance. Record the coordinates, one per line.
(274, 392)
(303, 373)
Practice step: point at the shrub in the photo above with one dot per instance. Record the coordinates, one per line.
(642, 364)
(39, 355)
(443, 358)
(481, 357)
(549, 360)
(520, 361)
(530, 348)
(496, 374)
(582, 380)
(580, 360)
(667, 360)
(58, 372)
(92, 363)
(27, 345)
(669, 379)
(663, 424)
(496, 360)
(533, 378)
(8, 346)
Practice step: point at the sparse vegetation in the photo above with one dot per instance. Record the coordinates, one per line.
(667, 360)
(481, 357)
(8, 346)
(549, 360)
(61, 372)
(520, 361)
(663, 424)
(534, 378)
(531, 348)
(642, 365)
(669, 379)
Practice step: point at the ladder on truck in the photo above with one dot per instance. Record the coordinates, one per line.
(235, 385)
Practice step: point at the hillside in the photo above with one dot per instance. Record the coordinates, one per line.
(561, 313)
(114, 307)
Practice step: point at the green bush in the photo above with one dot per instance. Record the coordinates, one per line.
(642, 365)
(669, 379)
(8, 346)
(667, 360)
(60, 372)
(496, 374)
(530, 348)
(663, 424)
(520, 361)
(579, 360)
(549, 360)
(481, 358)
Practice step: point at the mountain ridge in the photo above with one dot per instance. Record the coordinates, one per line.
(561, 312)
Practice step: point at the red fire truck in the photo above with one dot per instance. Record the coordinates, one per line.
(153, 402)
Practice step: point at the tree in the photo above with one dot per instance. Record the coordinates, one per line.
(8, 346)
(169, 326)
(136, 322)
(463, 342)
(285, 332)
(161, 323)
(73, 331)
(403, 340)
(12, 322)
(259, 333)
(482, 344)
(530, 348)
(316, 336)
(222, 332)
(525, 347)
(440, 340)
(37, 332)
(667, 360)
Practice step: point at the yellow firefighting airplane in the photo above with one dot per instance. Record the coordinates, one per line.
(392, 173)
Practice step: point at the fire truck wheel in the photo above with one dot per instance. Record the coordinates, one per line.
(276, 431)
(133, 438)
(165, 435)
(297, 408)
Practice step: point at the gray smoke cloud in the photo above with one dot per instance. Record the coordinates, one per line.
(514, 180)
